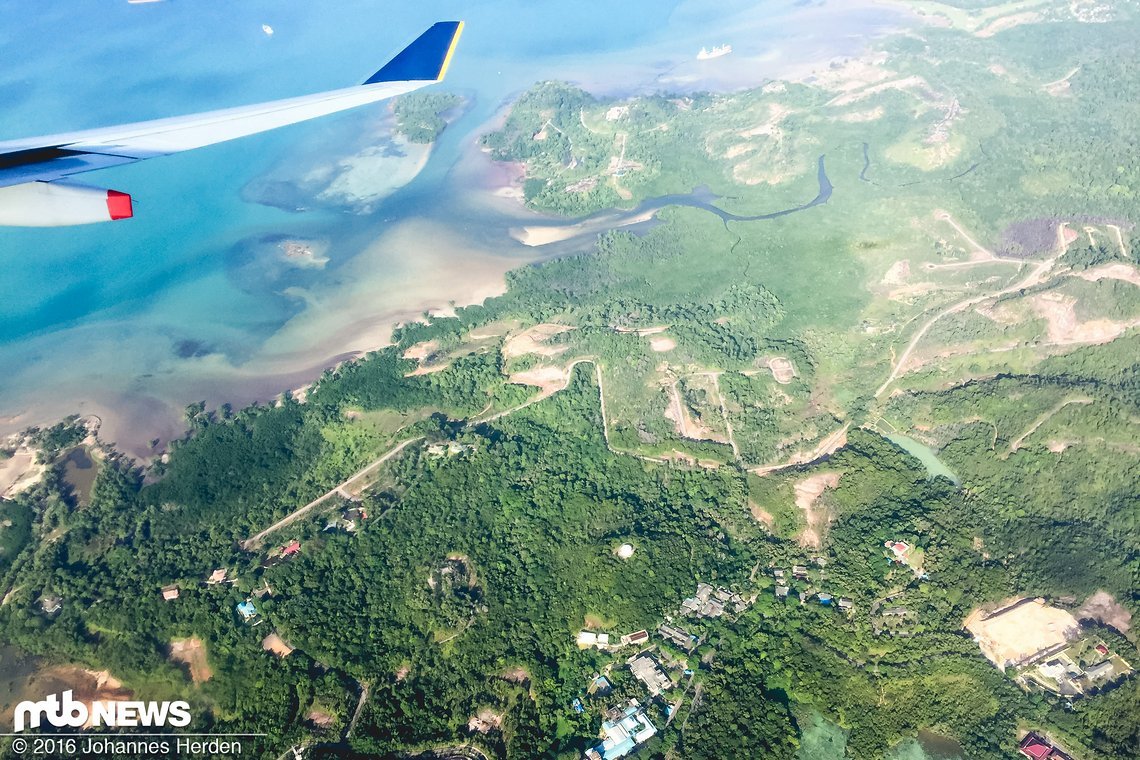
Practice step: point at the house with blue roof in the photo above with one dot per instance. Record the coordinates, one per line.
(247, 611)
(622, 736)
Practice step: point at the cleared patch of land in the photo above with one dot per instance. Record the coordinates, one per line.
(1103, 608)
(533, 340)
(807, 493)
(1021, 630)
(275, 644)
(191, 652)
(19, 472)
(783, 371)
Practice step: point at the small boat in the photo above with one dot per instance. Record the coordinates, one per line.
(267, 29)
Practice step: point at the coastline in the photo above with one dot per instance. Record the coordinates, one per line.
(456, 251)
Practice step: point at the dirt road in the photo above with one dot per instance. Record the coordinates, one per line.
(340, 490)
(1033, 278)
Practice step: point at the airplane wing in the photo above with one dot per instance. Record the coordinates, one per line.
(31, 195)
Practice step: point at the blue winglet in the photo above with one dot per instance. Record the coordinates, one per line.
(426, 59)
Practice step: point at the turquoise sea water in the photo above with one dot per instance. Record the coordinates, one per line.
(133, 320)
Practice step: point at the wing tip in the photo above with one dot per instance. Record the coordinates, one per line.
(425, 60)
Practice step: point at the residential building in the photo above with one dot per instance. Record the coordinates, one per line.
(712, 608)
(637, 637)
(846, 604)
(622, 736)
(678, 636)
(800, 572)
(600, 687)
(247, 611)
(824, 599)
(1036, 747)
(170, 593)
(216, 577)
(587, 639)
(646, 670)
(50, 604)
(782, 592)
(1101, 670)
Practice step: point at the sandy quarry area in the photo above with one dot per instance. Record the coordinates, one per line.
(192, 653)
(1020, 630)
(807, 492)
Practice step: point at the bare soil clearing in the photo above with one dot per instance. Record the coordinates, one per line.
(548, 378)
(19, 472)
(533, 341)
(1125, 272)
(783, 371)
(898, 273)
(516, 674)
(1103, 608)
(1008, 22)
(1062, 324)
(1019, 630)
(807, 492)
(421, 351)
(275, 644)
(762, 515)
(192, 653)
(662, 344)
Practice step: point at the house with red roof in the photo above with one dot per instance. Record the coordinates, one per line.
(1035, 746)
(291, 548)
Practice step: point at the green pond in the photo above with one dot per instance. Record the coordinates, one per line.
(923, 453)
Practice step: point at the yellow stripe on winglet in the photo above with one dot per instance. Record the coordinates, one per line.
(450, 52)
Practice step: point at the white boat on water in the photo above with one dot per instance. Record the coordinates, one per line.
(716, 52)
(267, 29)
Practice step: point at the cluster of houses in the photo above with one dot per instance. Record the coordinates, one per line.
(603, 641)
(800, 573)
(712, 603)
(171, 591)
(1063, 672)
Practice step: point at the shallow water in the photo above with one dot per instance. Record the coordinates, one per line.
(188, 301)
(934, 466)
